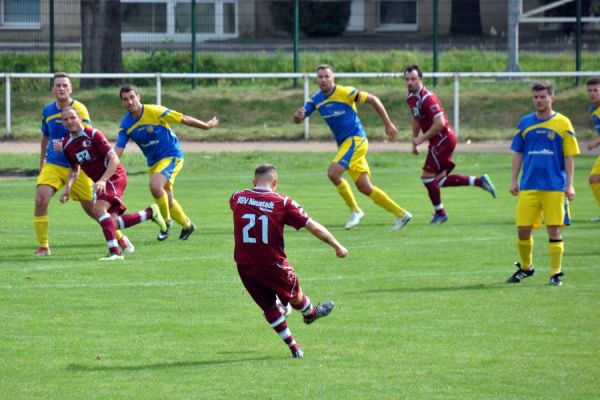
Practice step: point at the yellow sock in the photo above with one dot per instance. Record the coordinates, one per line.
(119, 234)
(163, 205)
(555, 252)
(345, 191)
(526, 250)
(41, 225)
(178, 215)
(596, 191)
(381, 198)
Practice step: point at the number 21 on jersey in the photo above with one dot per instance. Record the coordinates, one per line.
(264, 222)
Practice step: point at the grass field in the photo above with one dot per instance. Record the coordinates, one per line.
(423, 313)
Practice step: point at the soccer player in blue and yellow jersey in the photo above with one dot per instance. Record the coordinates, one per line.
(54, 168)
(593, 90)
(337, 105)
(149, 126)
(544, 146)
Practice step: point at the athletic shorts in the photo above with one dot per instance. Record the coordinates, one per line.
(115, 187)
(352, 155)
(533, 205)
(596, 167)
(57, 176)
(167, 167)
(439, 156)
(265, 282)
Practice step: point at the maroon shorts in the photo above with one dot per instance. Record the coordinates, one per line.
(115, 187)
(265, 282)
(439, 156)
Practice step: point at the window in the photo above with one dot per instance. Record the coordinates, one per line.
(171, 19)
(144, 17)
(397, 15)
(20, 14)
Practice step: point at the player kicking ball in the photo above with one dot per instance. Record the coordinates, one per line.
(259, 217)
(87, 149)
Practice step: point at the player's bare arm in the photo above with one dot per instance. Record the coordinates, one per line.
(593, 144)
(390, 128)
(517, 162)
(196, 123)
(73, 174)
(416, 129)
(300, 115)
(113, 162)
(43, 147)
(570, 170)
(439, 123)
(119, 151)
(323, 233)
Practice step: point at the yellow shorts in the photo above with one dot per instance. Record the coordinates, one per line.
(57, 176)
(352, 155)
(596, 167)
(169, 168)
(533, 204)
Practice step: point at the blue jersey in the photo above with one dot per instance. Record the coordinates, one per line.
(595, 111)
(53, 129)
(152, 132)
(339, 111)
(544, 144)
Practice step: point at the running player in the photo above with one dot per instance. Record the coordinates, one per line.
(148, 125)
(54, 168)
(337, 105)
(429, 117)
(88, 149)
(593, 90)
(544, 145)
(259, 217)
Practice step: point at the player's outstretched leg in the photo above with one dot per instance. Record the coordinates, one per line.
(277, 321)
(312, 313)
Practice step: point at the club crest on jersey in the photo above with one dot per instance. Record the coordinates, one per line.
(415, 112)
(551, 135)
(150, 129)
(87, 143)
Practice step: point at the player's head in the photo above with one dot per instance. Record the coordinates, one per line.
(325, 78)
(265, 175)
(413, 76)
(72, 120)
(543, 95)
(61, 86)
(593, 90)
(131, 98)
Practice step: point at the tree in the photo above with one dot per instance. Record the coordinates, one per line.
(100, 40)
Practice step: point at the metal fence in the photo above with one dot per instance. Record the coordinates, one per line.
(306, 79)
(258, 36)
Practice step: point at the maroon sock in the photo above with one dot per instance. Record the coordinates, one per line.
(433, 189)
(127, 220)
(461, 180)
(110, 234)
(277, 321)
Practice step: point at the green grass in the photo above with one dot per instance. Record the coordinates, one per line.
(422, 313)
(490, 109)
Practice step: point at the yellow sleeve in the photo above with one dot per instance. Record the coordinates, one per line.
(570, 145)
(166, 115)
(85, 115)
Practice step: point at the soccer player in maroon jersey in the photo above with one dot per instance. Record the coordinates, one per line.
(259, 217)
(429, 117)
(88, 149)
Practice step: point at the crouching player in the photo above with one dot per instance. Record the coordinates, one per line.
(259, 217)
(88, 149)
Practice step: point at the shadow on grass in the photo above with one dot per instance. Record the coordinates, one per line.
(480, 286)
(178, 364)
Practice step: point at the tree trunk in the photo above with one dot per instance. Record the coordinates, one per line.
(100, 40)
(466, 18)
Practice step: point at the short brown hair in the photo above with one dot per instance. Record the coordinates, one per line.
(593, 81)
(414, 67)
(70, 108)
(543, 85)
(265, 169)
(128, 88)
(60, 75)
(324, 66)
